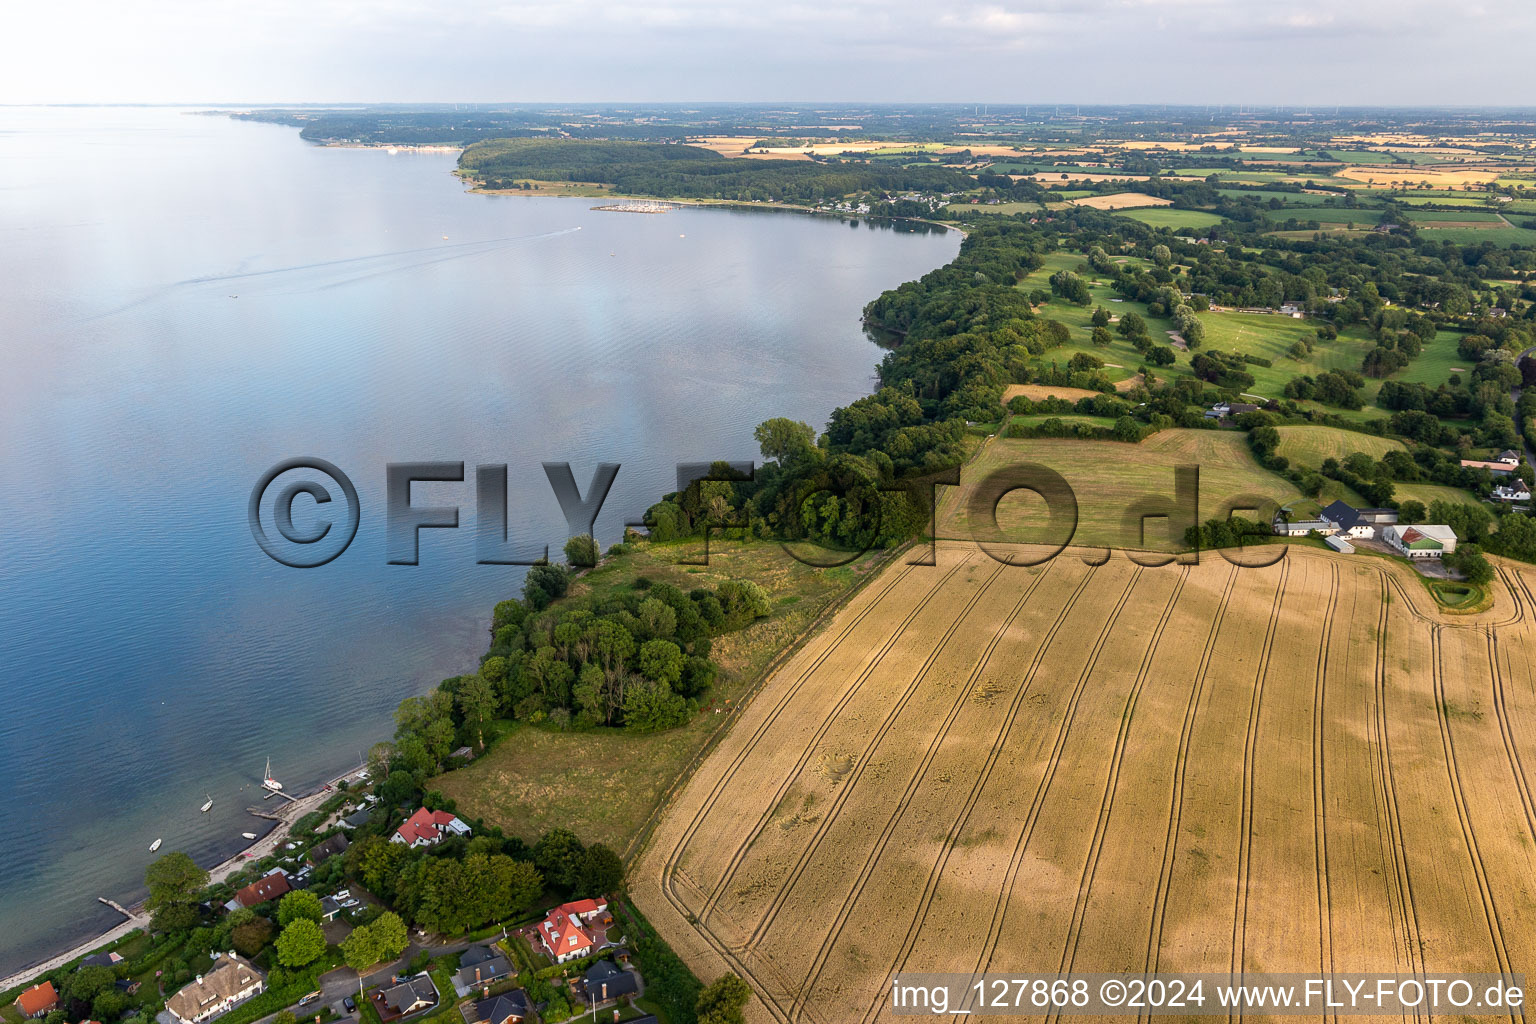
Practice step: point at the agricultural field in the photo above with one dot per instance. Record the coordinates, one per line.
(1309, 445)
(1178, 220)
(1073, 767)
(1109, 478)
(1121, 201)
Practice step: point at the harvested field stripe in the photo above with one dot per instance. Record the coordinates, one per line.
(915, 927)
(1176, 797)
(670, 866)
(1511, 750)
(841, 918)
(1407, 911)
(767, 724)
(1112, 782)
(781, 897)
(1000, 908)
(1250, 747)
(1468, 833)
(1319, 777)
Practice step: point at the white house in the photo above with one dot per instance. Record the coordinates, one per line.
(231, 981)
(1302, 527)
(1514, 490)
(428, 828)
(1358, 522)
(1420, 541)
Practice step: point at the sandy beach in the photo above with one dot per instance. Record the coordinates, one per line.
(291, 811)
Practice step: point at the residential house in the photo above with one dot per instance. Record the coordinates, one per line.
(1508, 456)
(605, 981)
(427, 828)
(1514, 489)
(1420, 541)
(269, 887)
(508, 1008)
(324, 851)
(1496, 468)
(1498, 312)
(329, 908)
(38, 1001)
(478, 967)
(409, 996)
(565, 934)
(357, 819)
(108, 959)
(231, 981)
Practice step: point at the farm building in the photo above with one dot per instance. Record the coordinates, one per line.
(1358, 522)
(1302, 527)
(1492, 467)
(232, 980)
(1340, 545)
(1420, 541)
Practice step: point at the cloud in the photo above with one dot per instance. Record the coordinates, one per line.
(1334, 51)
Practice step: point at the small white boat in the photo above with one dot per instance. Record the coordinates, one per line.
(268, 781)
(154, 845)
(207, 806)
(247, 835)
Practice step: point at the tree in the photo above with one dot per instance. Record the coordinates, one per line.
(1131, 325)
(601, 872)
(175, 882)
(558, 855)
(724, 1001)
(360, 950)
(1469, 559)
(1100, 317)
(651, 706)
(250, 937)
(785, 441)
(89, 982)
(478, 701)
(297, 905)
(1161, 255)
(661, 660)
(389, 935)
(301, 943)
(581, 550)
(1101, 337)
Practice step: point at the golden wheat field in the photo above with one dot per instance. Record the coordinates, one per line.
(1085, 768)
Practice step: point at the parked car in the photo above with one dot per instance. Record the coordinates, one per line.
(343, 894)
(350, 1004)
(350, 903)
(309, 998)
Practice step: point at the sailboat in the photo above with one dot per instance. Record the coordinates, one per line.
(207, 806)
(154, 846)
(268, 781)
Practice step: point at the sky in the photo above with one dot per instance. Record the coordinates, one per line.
(1295, 52)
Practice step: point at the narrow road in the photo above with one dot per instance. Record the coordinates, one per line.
(1514, 396)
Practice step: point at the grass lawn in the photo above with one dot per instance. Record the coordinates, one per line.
(604, 783)
(1271, 336)
(1121, 356)
(1035, 419)
(1167, 217)
(1108, 478)
(1309, 445)
(1433, 365)
(1004, 208)
(1496, 235)
(1433, 492)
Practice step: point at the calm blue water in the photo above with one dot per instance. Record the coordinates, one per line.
(186, 300)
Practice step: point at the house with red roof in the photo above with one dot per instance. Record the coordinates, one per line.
(38, 1001)
(427, 828)
(269, 887)
(566, 932)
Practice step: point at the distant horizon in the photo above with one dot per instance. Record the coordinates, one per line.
(1376, 52)
(1319, 109)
